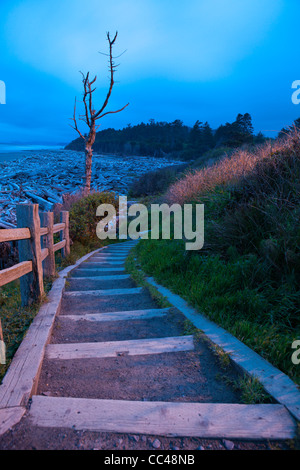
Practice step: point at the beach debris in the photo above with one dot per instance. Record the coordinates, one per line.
(43, 177)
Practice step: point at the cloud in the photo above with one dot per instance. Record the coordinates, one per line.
(62, 38)
(190, 41)
(200, 59)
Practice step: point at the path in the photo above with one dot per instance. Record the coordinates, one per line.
(119, 373)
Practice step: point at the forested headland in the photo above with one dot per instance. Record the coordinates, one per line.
(174, 139)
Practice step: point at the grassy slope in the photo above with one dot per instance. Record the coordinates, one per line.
(246, 278)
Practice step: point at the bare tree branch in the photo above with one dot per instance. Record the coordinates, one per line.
(90, 115)
(112, 70)
(112, 112)
(75, 122)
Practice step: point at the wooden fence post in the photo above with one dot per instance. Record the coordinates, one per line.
(31, 284)
(64, 234)
(47, 220)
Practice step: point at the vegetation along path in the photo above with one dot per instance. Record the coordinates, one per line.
(123, 372)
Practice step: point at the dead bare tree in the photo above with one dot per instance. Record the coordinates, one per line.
(90, 115)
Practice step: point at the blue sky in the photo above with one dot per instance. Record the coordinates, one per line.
(187, 59)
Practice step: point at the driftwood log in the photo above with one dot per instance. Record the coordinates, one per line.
(62, 172)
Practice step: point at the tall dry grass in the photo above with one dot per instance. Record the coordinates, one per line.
(230, 170)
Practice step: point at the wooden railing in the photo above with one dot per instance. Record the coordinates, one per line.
(37, 249)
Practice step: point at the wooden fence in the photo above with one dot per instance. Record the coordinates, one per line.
(37, 249)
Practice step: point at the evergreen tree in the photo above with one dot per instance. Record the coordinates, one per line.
(207, 136)
(196, 134)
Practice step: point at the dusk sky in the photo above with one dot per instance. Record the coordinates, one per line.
(187, 60)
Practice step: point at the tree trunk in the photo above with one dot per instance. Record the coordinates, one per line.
(88, 159)
(88, 169)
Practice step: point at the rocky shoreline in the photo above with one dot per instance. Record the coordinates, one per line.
(44, 176)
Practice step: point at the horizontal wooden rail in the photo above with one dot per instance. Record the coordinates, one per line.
(12, 234)
(59, 245)
(36, 249)
(11, 274)
(44, 231)
(58, 227)
(44, 253)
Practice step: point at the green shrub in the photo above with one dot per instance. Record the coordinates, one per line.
(83, 219)
(156, 182)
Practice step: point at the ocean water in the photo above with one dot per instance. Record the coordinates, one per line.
(13, 152)
(5, 148)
